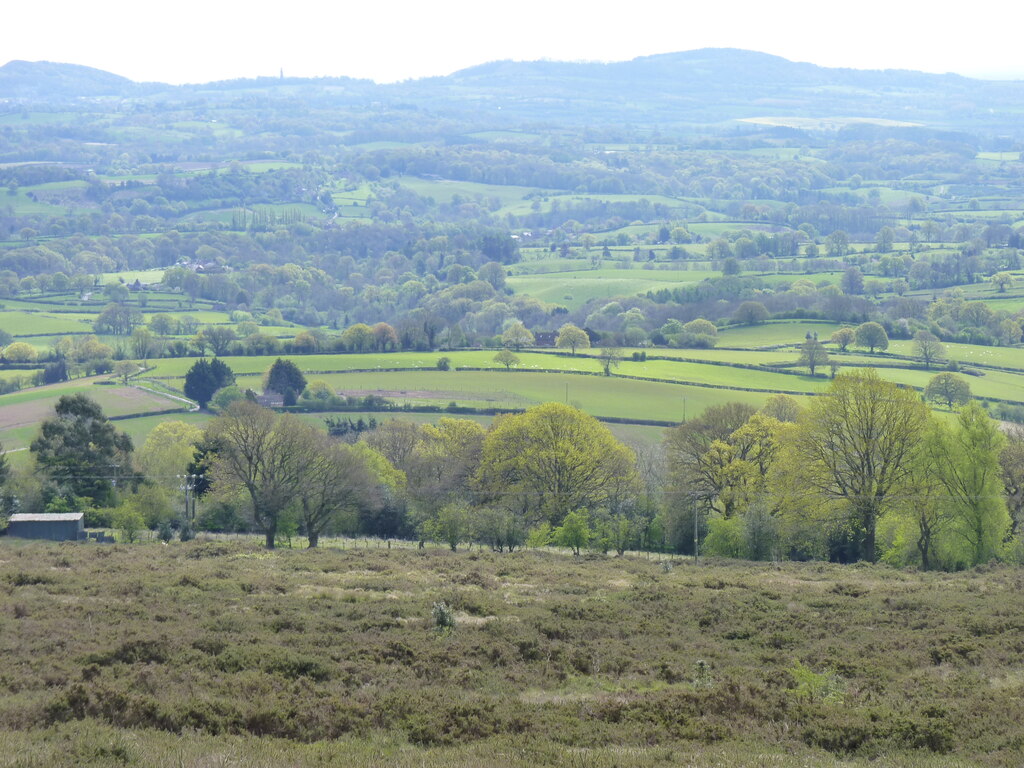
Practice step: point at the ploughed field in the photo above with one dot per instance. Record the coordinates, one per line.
(219, 653)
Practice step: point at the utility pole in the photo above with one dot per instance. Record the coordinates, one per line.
(696, 535)
(188, 485)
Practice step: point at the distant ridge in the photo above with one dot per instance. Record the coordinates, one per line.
(698, 87)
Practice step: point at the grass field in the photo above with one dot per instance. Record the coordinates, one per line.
(1005, 357)
(21, 412)
(144, 276)
(575, 289)
(509, 197)
(217, 653)
(23, 323)
(597, 395)
(773, 333)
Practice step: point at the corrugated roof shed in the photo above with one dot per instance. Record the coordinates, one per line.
(61, 526)
(45, 518)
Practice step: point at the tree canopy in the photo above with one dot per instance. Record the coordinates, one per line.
(871, 335)
(554, 459)
(948, 388)
(572, 337)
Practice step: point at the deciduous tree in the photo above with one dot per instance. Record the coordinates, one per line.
(554, 459)
(1011, 464)
(264, 456)
(20, 352)
(843, 338)
(928, 347)
(572, 337)
(857, 445)
(517, 336)
(609, 357)
(948, 388)
(337, 483)
(507, 358)
(751, 313)
(964, 461)
(871, 335)
(166, 454)
(125, 369)
(218, 338)
(812, 355)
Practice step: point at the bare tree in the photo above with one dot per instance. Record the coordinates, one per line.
(266, 456)
(928, 347)
(337, 482)
(610, 357)
(395, 440)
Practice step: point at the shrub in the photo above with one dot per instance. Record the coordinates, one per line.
(129, 522)
(444, 617)
(725, 537)
(164, 532)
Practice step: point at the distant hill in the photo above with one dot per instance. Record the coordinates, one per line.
(706, 86)
(718, 84)
(48, 80)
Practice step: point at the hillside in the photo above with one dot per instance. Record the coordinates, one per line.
(43, 80)
(334, 657)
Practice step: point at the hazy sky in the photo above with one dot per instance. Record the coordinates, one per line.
(191, 41)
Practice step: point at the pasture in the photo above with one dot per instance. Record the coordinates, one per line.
(600, 396)
(21, 412)
(574, 289)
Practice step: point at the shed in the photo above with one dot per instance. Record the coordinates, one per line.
(270, 400)
(60, 526)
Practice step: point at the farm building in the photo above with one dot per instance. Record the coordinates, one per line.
(69, 526)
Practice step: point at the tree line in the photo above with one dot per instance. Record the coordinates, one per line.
(863, 472)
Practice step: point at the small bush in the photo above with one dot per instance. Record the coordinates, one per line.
(444, 617)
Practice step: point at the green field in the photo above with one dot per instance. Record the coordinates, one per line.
(598, 395)
(22, 323)
(575, 289)
(509, 198)
(1005, 357)
(995, 384)
(21, 412)
(774, 333)
(144, 276)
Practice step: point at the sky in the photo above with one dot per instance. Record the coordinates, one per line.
(188, 41)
